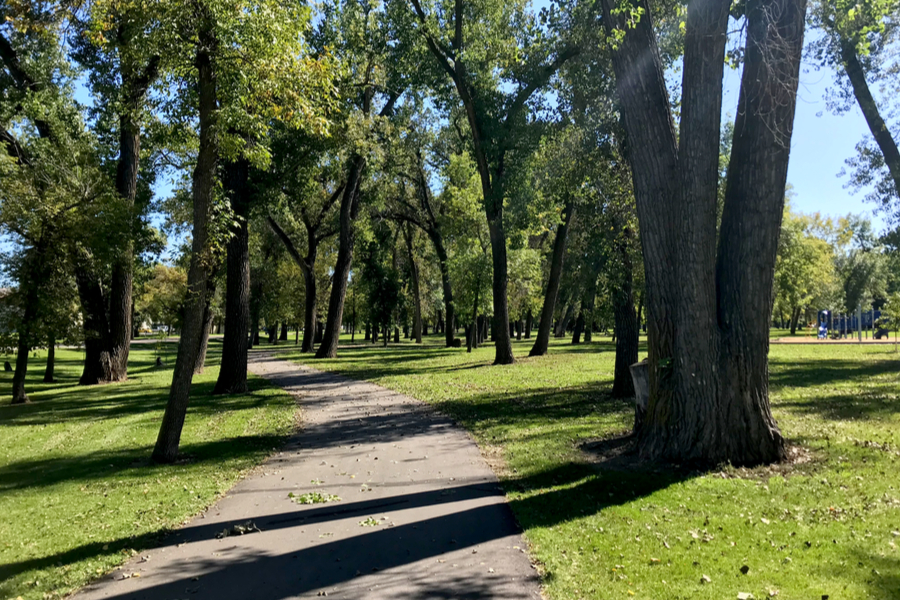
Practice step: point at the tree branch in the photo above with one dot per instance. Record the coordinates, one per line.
(288, 244)
(543, 76)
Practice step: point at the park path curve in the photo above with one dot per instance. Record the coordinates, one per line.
(421, 514)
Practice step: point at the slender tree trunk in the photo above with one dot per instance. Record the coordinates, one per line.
(51, 359)
(349, 210)
(446, 287)
(200, 360)
(579, 327)
(503, 354)
(563, 324)
(232, 377)
(529, 324)
(626, 327)
(203, 185)
(869, 108)
(795, 317)
(542, 341)
(368, 332)
(414, 278)
(23, 347)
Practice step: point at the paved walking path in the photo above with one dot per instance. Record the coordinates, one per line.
(421, 515)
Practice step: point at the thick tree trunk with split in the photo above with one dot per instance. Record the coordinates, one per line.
(98, 367)
(708, 310)
(203, 190)
(557, 259)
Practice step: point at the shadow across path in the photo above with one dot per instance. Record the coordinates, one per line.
(410, 510)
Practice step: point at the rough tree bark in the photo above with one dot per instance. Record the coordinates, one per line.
(557, 259)
(232, 377)
(203, 189)
(708, 311)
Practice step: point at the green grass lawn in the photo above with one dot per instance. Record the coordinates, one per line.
(820, 528)
(77, 493)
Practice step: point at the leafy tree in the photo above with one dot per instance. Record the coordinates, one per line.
(859, 41)
(497, 58)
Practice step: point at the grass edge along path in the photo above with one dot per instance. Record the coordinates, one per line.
(78, 493)
(824, 528)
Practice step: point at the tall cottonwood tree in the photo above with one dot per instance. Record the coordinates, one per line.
(249, 68)
(496, 62)
(358, 30)
(709, 307)
(118, 46)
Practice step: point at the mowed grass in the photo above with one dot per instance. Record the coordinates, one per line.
(827, 527)
(78, 495)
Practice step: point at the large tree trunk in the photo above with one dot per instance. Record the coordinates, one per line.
(97, 361)
(503, 354)
(232, 377)
(708, 361)
(203, 185)
(869, 108)
(51, 359)
(751, 223)
(542, 341)
(346, 238)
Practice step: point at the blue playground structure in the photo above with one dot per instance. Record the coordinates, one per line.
(845, 324)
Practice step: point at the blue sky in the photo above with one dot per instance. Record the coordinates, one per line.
(820, 145)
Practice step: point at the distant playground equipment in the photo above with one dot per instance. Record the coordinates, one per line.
(839, 326)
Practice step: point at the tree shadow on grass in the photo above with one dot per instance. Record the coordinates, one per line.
(126, 463)
(846, 389)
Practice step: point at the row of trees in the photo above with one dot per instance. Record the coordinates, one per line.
(444, 162)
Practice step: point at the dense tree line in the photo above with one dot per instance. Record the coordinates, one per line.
(430, 167)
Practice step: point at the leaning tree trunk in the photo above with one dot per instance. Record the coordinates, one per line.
(503, 354)
(346, 237)
(200, 360)
(23, 347)
(203, 185)
(563, 324)
(869, 108)
(51, 359)
(542, 341)
(232, 377)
